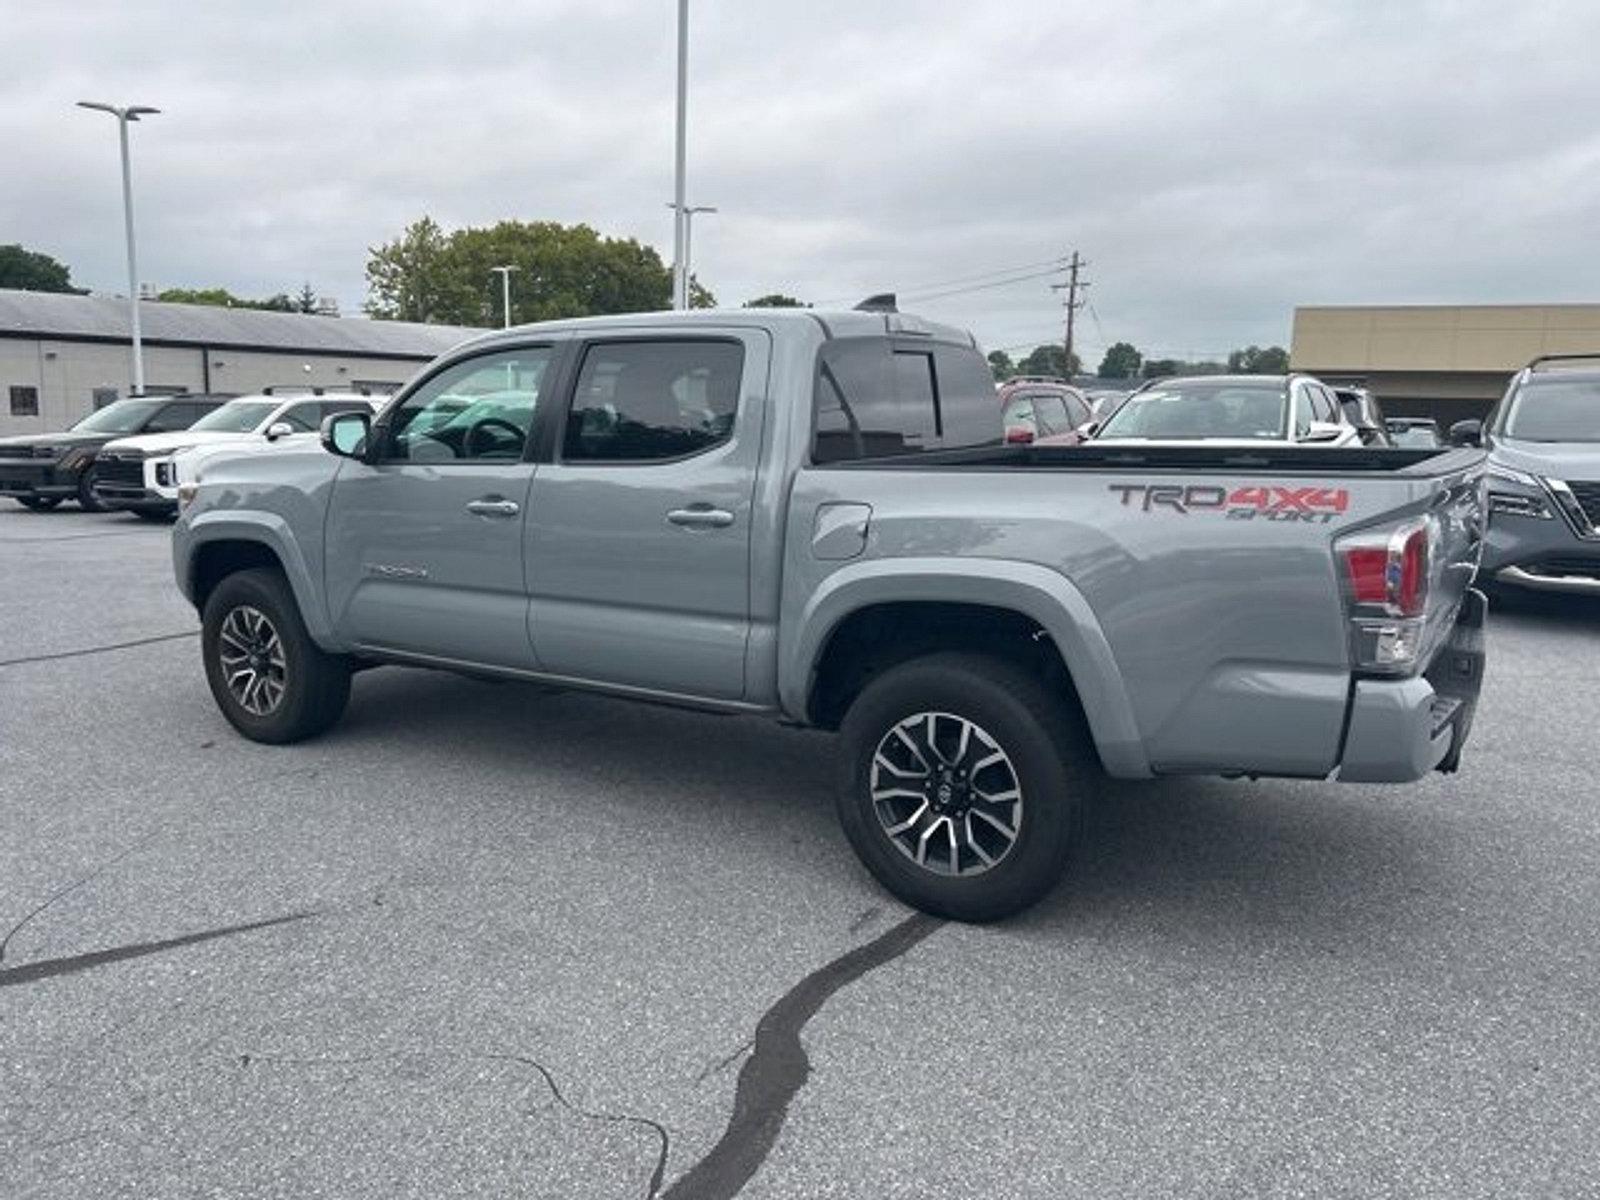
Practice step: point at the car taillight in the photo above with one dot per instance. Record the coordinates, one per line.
(1387, 575)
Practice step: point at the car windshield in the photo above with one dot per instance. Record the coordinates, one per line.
(1556, 410)
(236, 416)
(122, 416)
(1415, 435)
(1201, 410)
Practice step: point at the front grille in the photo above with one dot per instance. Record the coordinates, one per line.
(129, 471)
(1588, 497)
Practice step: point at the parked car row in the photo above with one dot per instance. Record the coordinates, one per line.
(135, 454)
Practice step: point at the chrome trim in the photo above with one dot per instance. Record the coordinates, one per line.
(1548, 583)
(1572, 510)
(625, 690)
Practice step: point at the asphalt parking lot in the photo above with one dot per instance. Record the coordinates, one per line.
(505, 941)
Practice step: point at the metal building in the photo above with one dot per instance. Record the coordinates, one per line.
(63, 356)
(1446, 361)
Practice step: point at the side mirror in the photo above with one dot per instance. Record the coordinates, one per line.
(1466, 433)
(346, 434)
(279, 429)
(1018, 435)
(1324, 431)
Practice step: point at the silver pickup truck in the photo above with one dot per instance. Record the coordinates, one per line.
(813, 516)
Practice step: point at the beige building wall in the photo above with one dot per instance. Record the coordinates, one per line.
(67, 374)
(1454, 359)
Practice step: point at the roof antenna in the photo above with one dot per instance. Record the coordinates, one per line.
(882, 302)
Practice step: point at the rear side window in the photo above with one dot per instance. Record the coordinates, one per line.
(874, 399)
(651, 401)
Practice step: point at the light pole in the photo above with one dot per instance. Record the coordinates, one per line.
(124, 115)
(505, 290)
(680, 215)
(686, 227)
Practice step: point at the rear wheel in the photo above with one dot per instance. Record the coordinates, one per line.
(87, 500)
(961, 783)
(38, 503)
(154, 514)
(272, 682)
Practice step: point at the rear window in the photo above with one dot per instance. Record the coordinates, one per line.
(875, 398)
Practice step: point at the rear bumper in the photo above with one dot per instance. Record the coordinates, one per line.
(1401, 729)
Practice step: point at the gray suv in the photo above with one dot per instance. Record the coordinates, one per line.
(1544, 476)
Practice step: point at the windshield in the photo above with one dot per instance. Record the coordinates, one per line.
(121, 416)
(1201, 410)
(1556, 410)
(237, 416)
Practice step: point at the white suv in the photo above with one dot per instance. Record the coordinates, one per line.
(142, 474)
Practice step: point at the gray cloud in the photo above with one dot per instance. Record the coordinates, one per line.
(1218, 162)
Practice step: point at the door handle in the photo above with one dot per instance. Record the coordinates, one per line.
(701, 516)
(493, 508)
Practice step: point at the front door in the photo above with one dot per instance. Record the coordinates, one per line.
(424, 540)
(639, 531)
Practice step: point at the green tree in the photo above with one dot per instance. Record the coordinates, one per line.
(305, 300)
(1121, 361)
(216, 297)
(31, 271)
(775, 300)
(427, 274)
(1254, 360)
(1158, 368)
(1049, 359)
(1002, 366)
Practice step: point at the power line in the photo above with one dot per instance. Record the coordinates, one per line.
(922, 298)
(1052, 263)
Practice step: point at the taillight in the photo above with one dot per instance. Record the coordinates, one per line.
(1387, 574)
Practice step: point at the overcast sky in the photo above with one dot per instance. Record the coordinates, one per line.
(1217, 162)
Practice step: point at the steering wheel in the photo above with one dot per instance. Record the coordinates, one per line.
(469, 443)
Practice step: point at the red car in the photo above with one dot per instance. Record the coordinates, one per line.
(1043, 412)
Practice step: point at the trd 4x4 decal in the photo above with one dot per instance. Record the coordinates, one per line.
(1269, 502)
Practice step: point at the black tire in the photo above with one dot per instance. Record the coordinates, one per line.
(154, 514)
(38, 503)
(1047, 751)
(315, 686)
(87, 500)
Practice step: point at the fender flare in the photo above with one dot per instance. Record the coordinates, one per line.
(1044, 596)
(265, 529)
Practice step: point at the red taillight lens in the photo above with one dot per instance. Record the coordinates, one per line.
(1368, 568)
(1019, 435)
(1389, 570)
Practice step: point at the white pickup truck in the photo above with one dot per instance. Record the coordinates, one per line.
(142, 474)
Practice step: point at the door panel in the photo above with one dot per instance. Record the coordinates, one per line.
(639, 568)
(425, 544)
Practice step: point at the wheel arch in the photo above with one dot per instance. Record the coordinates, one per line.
(870, 616)
(209, 551)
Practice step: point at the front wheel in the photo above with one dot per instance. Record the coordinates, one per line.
(272, 682)
(961, 782)
(87, 500)
(38, 503)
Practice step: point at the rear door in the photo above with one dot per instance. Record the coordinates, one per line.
(424, 542)
(638, 533)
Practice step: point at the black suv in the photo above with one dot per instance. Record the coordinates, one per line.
(40, 470)
(1543, 476)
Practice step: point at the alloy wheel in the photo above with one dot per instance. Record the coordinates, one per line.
(946, 794)
(253, 663)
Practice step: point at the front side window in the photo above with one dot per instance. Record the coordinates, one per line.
(480, 409)
(302, 417)
(171, 418)
(651, 401)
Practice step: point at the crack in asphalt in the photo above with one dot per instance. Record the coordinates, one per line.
(76, 537)
(779, 1067)
(38, 658)
(50, 968)
(63, 893)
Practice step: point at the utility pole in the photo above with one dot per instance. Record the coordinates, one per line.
(680, 219)
(1073, 286)
(505, 291)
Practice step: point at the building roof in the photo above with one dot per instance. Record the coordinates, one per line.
(105, 318)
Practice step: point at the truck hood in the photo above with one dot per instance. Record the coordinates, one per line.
(1218, 443)
(66, 440)
(250, 444)
(1553, 460)
(149, 444)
